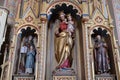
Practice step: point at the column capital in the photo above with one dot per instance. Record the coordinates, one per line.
(43, 18)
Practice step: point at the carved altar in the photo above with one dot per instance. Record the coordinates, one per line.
(39, 18)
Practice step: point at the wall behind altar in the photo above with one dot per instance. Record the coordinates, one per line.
(12, 6)
(2, 2)
(116, 17)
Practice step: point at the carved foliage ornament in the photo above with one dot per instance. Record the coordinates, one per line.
(29, 18)
(98, 19)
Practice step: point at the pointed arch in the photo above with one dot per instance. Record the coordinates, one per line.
(27, 25)
(68, 3)
(102, 27)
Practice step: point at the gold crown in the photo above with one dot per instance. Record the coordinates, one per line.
(61, 13)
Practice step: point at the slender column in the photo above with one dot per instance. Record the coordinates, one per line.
(12, 56)
(87, 56)
(43, 48)
(5, 64)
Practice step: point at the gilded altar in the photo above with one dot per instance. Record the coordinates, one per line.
(38, 19)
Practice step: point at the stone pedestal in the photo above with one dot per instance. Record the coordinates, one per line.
(64, 77)
(64, 74)
(105, 77)
(23, 77)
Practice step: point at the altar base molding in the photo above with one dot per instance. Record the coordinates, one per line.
(64, 77)
(105, 77)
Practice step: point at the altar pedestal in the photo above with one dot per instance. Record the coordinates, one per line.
(23, 77)
(105, 77)
(64, 77)
(64, 74)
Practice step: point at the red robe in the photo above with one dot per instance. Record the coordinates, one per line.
(63, 26)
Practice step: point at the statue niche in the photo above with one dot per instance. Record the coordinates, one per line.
(102, 50)
(64, 41)
(26, 45)
(101, 57)
(64, 50)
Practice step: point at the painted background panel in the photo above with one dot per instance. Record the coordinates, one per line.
(116, 7)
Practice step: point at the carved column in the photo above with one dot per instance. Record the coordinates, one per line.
(38, 50)
(42, 57)
(88, 70)
(12, 56)
(5, 64)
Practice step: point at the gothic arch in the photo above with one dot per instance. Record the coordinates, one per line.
(68, 3)
(32, 27)
(109, 31)
(91, 29)
(25, 26)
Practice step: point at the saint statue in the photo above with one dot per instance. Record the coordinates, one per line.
(30, 60)
(64, 41)
(102, 64)
(27, 55)
(23, 52)
(70, 25)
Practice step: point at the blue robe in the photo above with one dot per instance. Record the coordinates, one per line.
(30, 61)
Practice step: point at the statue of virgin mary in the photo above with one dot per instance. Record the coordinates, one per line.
(63, 43)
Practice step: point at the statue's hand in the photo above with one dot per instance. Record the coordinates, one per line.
(56, 33)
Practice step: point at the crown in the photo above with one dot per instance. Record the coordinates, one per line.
(61, 13)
